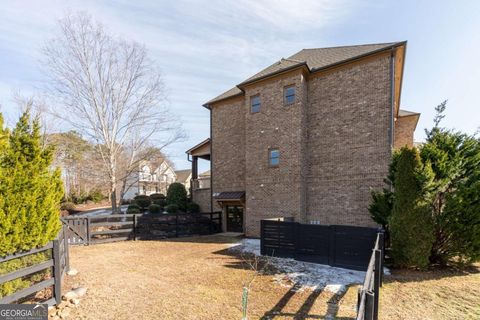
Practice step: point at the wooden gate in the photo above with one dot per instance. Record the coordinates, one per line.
(76, 229)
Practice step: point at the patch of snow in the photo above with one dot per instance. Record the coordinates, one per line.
(305, 274)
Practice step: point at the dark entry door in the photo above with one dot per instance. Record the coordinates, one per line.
(234, 219)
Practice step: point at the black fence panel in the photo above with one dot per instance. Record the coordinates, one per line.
(278, 238)
(313, 243)
(353, 246)
(340, 246)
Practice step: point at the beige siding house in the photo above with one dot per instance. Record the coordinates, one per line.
(307, 137)
(151, 177)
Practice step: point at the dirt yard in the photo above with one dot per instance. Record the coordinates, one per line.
(199, 278)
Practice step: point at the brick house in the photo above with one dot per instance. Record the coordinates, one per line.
(307, 137)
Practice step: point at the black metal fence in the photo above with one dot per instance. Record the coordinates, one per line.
(369, 293)
(120, 227)
(57, 251)
(335, 245)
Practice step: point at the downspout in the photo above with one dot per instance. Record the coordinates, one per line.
(392, 101)
(211, 161)
(392, 107)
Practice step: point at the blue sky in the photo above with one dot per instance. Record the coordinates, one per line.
(205, 47)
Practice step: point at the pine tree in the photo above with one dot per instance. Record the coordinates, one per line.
(30, 190)
(410, 223)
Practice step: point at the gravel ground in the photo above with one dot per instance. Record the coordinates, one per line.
(189, 278)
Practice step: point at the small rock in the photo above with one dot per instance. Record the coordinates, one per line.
(80, 291)
(70, 295)
(75, 302)
(72, 272)
(65, 313)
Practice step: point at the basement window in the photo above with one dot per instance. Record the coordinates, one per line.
(273, 157)
(289, 95)
(255, 104)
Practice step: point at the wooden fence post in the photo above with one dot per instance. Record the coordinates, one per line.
(57, 273)
(88, 231)
(176, 225)
(376, 282)
(66, 249)
(134, 227)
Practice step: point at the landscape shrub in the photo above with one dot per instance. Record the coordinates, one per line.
(30, 191)
(171, 208)
(133, 208)
(68, 206)
(143, 201)
(177, 194)
(30, 195)
(154, 208)
(157, 196)
(446, 188)
(411, 228)
(193, 207)
(161, 202)
(96, 196)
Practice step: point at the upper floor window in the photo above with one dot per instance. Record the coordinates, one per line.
(289, 95)
(255, 104)
(273, 157)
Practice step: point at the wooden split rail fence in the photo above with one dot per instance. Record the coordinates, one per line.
(57, 263)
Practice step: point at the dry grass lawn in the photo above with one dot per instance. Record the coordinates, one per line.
(190, 278)
(198, 278)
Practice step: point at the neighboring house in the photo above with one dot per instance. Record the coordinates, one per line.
(151, 177)
(308, 137)
(184, 177)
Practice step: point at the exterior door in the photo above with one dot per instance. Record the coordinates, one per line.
(234, 219)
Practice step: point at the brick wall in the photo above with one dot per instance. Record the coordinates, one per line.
(334, 145)
(348, 147)
(404, 129)
(274, 191)
(202, 198)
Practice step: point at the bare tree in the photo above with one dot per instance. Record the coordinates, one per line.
(108, 90)
(254, 265)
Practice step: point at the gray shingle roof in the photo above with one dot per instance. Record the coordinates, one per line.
(314, 59)
(230, 195)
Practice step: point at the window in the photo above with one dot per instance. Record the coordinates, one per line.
(255, 104)
(273, 157)
(289, 95)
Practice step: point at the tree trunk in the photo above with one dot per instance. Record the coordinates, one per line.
(113, 184)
